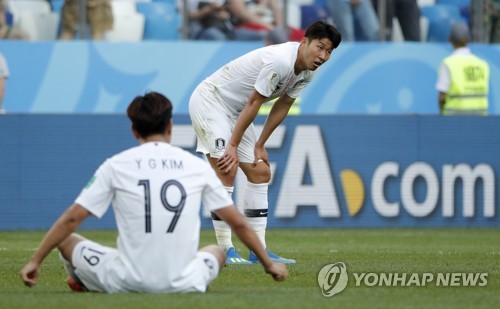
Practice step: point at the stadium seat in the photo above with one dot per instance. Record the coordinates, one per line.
(439, 30)
(36, 6)
(16, 7)
(440, 18)
(294, 15)
(317, 2)
(56, 6)
(35, 18)
(126, 27)
(9, 18)
(121, 7)
(462, 5)
(40, 27)
(128, 24)
(312, 13)
(440, 11)
(422, 3)
(163, 22)
(458, 3)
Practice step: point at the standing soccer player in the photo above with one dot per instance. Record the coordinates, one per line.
(223, 107)
(156, 190)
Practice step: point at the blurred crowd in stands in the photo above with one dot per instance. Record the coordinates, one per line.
(273, 21)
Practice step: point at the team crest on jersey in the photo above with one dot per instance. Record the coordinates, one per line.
(220, 143)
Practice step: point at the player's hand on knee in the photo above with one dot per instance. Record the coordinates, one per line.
(260, 155)
(229, 160)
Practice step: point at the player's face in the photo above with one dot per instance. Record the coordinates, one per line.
(317, 52)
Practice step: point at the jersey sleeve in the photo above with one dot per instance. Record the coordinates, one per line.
(97, 194)
(214, 195)
(443, 81)
(268, 78)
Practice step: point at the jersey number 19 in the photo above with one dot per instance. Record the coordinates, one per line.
(176, 209)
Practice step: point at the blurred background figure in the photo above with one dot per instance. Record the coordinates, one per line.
(261, 16)
(99, 18)
(407, 13)
(485, 20)
(4, 74)
(355, 19)
(463, 79)
(208, 19)
(7, 30)
(211, 20)
(276, 36)
(256, 15)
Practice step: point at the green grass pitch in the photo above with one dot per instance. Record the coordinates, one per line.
(362, 250)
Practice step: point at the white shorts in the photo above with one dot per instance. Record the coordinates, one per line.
(100, 268)
(214, 125)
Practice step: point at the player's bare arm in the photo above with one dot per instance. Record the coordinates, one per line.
(441, 100)
(67, 223)
(276, 116)
(247, 235)
(247, 116)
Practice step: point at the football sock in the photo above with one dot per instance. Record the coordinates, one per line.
(222, 230)
(256, 207)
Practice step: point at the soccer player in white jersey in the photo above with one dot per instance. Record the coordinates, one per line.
(156, 190)
(223, 107)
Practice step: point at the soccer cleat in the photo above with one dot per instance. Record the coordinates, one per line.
(233, 258)
(275, 258)
(75, 286)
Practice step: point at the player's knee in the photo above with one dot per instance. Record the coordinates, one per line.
(227, 178)
(216, 251)
(261, 174)
(67, 246)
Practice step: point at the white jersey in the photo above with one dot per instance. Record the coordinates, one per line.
(269, 70)
(156, 190)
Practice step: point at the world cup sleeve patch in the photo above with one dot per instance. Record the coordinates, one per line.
(272, 77)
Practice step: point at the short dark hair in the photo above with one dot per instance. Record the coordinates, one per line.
(320, 30)
(150, 114)
(459, 34)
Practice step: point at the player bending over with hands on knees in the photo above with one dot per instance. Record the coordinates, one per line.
(223, 107)
(156, 191)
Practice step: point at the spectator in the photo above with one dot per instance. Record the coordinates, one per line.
(463, 78)
(210, 20)
(4, 74)
(276, 36)
(7, 31)
(485, 20)
(262, 16)
(350, 15)
(408, 14)
(99, 17)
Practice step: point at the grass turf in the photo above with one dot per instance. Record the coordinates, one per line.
(362, 250)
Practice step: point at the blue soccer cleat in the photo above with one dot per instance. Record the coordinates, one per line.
(275, 258)
(233, 258)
